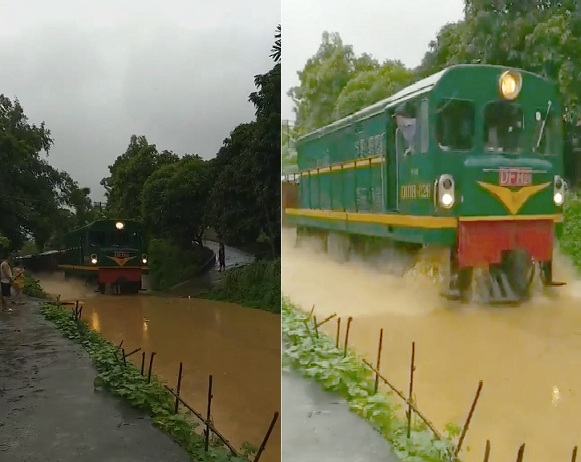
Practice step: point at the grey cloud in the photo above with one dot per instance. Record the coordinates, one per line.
(183, 84)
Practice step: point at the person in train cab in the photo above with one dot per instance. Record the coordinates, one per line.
(222, 257)
(18, 283)
(5, 281)
(406, 122)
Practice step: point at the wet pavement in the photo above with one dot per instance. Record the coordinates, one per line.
(319, 427)
(234, 257)
(49, 410)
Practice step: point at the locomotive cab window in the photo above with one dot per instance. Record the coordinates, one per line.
(503, 127)
(546, 133)
(455, 125)
(405, 119)
(97, 238)
(125, 239)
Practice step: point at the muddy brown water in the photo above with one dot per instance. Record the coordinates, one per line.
(240, 347)
(529, 357)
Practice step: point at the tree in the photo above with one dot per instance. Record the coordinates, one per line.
(234, 213)
(321, 82)
(276, 48)
(174, 200)
(31, 191)
(370, 86)
(129, 173)
(266, 153)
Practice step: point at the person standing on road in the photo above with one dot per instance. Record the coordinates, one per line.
(5, 281)
(222, 257)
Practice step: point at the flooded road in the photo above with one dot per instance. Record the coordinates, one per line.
(240, 347)
(529, 357)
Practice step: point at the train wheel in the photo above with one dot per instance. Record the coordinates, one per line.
(134, 287)
(101, 288)
(459, 280)
(338, 247)
(519, 269)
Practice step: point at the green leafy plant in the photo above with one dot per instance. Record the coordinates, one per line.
(170, 264)
(570, 239)
(318, 358)
(32, 287)
(126, 381)
(256, 285)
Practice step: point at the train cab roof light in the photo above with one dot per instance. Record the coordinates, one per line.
(510, 84)
(119, 225)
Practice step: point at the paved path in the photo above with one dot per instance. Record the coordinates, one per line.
(49, 411)
(318, 427)
(234, 257)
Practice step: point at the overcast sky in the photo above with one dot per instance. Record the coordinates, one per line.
(98, 71)
(386, 29)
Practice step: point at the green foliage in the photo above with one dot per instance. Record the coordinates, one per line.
(4, 242)
(174, 200)
(570, 240)
(169, 264)
(256, 285)
(129, 173)
(127, 382)
(370, 86)
(541, 37)
(32, 287)
(33, 195)
(321, 82)
(318, 358)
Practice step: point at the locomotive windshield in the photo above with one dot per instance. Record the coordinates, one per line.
(455, 125)
(546, 133)
(503, 127)
(125, 239)
(115, 238)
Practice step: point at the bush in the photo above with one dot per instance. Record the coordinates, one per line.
(32, 287)
(256, 285)
(571, 237)
(169, 264)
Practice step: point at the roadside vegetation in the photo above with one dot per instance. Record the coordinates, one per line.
(126, 382)
(170, 264)
(256, 285)
(570, 240)
(32, 287)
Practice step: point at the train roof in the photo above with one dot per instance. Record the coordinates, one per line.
(415, 89)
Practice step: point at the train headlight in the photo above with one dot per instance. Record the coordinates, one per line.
(510, 84)
(94, 259)
(119, 225)
(559, 189)
(447, 200)
(144, 259)
(445, 194)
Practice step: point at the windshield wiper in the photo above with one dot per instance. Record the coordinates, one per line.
(543, 125)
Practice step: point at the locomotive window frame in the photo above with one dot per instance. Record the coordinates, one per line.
(521, 141)
(424, 131)
(441, 106)
(553, 127)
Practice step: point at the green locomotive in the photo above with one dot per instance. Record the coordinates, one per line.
(470, 159)
(110, 252)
